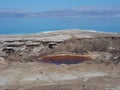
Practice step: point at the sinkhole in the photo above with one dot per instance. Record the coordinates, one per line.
(65, 59)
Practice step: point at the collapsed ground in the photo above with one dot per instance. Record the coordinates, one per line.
(20, 53)
(106, 48)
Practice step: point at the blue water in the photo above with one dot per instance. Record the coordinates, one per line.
(35, 25)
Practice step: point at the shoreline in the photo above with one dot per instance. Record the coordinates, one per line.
(50, 31)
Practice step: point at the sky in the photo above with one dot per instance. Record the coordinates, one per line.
(46, 5)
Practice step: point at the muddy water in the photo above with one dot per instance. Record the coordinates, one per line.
(65, 59)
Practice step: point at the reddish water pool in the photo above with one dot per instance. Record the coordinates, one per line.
(65, 59)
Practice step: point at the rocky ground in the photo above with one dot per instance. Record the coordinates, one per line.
(21, 55)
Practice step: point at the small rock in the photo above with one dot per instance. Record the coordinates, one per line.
(2, 60)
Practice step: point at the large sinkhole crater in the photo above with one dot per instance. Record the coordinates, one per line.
(65, 59)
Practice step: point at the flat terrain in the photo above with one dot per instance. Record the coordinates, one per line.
(41, 76)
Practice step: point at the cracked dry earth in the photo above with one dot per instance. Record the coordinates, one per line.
(43, 76)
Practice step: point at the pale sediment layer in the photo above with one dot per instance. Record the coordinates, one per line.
(41, 76)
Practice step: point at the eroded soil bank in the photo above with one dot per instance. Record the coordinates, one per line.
(27, 48)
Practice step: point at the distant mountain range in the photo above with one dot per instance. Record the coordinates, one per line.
(74, 12)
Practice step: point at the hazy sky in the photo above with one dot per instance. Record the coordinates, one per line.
(45, 5)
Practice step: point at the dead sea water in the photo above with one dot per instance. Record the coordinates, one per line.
(35, 25)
